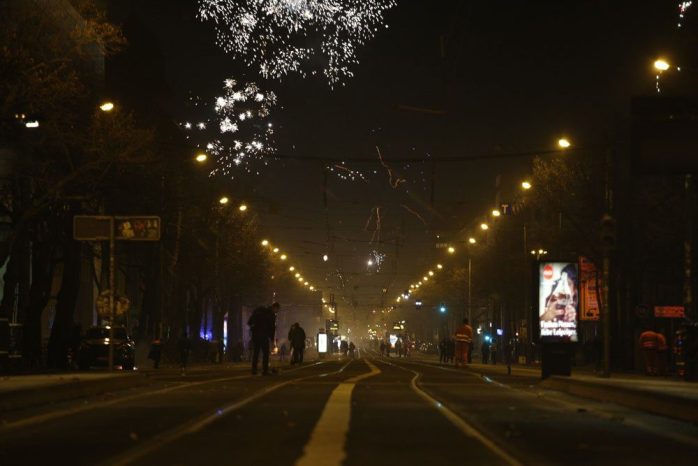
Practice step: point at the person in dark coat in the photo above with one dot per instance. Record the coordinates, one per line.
(184, 347)
(296, 336)
(155, 353)
(485, 350)
(262, 324)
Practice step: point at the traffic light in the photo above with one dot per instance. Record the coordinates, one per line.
(608, 232)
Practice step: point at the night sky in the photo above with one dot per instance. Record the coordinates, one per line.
(447, 78)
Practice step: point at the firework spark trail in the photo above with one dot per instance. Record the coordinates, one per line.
(350, 173)
(375, 214)
(415, 213)
(683, 7)
(267, 33)
(393, 179)
(239, 133)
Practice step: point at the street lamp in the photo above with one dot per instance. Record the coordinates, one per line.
(526, 185)
(496, 213)
(107, 106)
(243, 208)
(275, 250)
(291, 269)
(223, 200)
(325, 258)
(451, 250)
(661, 65)
(283, 257)
(564, 143)
(484, 226)
(201, 157)
(472, 240)
(439, 266)
(265, 242)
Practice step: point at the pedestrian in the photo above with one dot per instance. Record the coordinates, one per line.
(450, 350)
(352, 350)
(485, 351)
(262, 324)
(382, 347)
(662, 354)
(282, 352)
(344, 348)
(443, 344)
(493, 352)
(649, 344)
(155, 353)
(464, 338)
(398, 347)
(296, 336)
(183, 347)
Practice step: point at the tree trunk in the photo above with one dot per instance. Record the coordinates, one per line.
(62, 329)
(39, 295)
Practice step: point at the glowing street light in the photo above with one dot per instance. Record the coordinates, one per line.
(451, 250)
(223, 200)
(32, 124)
(431, 274)
(243, 208)
(325, 258)
(472, 240)
(201, 157)
(439, 266)
(107, 106)
(661, 65)
(298, 275)
(265, 242)
(283, 257)
(526, 185)
(291, 269)
(484, 226)
(564, 143)
(369, 262)
(300, 279)
(425, 278)
(496, 213)
(275, 250)
(312, 288)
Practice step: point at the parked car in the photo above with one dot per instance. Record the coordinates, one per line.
(94, 349)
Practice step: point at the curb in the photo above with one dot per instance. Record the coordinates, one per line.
(653, 402)
(72, 389)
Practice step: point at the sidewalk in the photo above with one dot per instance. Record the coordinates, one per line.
(668, 397)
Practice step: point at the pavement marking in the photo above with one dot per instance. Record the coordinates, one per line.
(458, 421)
(197, 424)
(327, 442)
(103, 404)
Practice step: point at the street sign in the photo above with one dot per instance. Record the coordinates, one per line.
(670, 312)
(139, 228)
(91, 227)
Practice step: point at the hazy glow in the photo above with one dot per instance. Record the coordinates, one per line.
(201, 157)
(564, 143)
(526, 185)
(107, 107)
(661, 65)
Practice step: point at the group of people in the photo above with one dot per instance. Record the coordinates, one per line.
(457, 350)
(262, 325)
(401, 348)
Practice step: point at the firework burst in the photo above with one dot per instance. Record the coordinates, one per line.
(283, 36)
(236, 129)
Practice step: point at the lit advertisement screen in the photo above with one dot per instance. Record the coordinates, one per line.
(322, 343)
(558, 300)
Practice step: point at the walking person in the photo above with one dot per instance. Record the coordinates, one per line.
(464, 338)
(184, 348)
(493, 352)
(443, 347)
(649, 344)
(296, 336)
(155, 353)
(485, 351)
(262, 325)
(352, 350)
(382, 347)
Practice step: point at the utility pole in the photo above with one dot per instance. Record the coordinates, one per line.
(608, 240)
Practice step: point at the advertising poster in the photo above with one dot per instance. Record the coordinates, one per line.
(589, 285)
(558, 300)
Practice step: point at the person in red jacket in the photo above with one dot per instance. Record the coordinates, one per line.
(464, 340)
(649, 344)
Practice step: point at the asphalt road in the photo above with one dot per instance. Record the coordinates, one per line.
(364, 412)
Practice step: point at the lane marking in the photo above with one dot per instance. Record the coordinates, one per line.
(103, 404)
(327, 443)
(460, 423)
(197, 424)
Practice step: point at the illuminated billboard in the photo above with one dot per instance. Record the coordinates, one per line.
(322, 343)
(558, 300)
